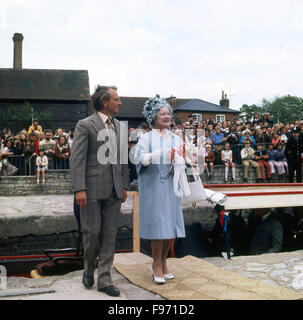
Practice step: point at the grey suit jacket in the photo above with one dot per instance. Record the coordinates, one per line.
(87, 172)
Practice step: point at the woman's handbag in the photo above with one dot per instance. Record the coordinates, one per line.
(197, 192)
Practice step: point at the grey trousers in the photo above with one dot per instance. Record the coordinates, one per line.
(99, 223)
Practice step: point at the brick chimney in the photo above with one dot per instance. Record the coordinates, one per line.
(18, 38)
(224, 102)
(172, 101)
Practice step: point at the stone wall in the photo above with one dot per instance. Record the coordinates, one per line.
(59, 182)
(36, 244)
(30, 224)
(31, 232)
(28, 234)
(219, 173)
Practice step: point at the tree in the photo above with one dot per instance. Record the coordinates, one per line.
(283, 109)
(247, 112)
(18, 117)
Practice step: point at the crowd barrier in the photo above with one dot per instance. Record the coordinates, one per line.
(236, 149)
(26, 166)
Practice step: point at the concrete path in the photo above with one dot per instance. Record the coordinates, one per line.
(70, 287)
(278, 269)
(49, 214)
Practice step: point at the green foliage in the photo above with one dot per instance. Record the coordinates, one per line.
(19, 117)
(283, 109)
(247, 112)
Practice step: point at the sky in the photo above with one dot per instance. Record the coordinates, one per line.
(185, 48)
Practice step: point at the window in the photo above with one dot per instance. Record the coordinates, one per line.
(197, 117)
(220, 117)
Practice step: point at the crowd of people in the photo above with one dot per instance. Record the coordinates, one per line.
(272, 149)
(33, 151)
(101, 187)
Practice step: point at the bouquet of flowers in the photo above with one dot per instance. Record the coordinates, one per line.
(173, 152)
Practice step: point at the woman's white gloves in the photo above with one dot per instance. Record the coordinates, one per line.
(153, 157)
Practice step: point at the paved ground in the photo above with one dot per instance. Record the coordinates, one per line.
(23, 215)
(279, 269)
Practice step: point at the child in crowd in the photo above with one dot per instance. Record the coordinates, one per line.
(227, 159)
(41, 163)
(209, 161)
(271, 158)
(275, 139)
(261, 157)
(280, 160)
(277, 159)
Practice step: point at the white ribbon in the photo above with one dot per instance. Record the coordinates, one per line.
(181, 186)
(215, 197)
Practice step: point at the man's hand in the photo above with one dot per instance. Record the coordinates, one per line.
(81, 198)
(124, 195)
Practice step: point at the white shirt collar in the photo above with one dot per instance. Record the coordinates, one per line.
(104, 117)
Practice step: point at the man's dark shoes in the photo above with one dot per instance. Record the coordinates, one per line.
(111, 291)
(88, 281)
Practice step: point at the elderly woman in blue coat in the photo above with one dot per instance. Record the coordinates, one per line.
(160, 217)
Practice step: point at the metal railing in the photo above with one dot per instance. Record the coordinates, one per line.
(236, 149)
(26, 166)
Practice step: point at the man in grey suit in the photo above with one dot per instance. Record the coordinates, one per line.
(100, 181)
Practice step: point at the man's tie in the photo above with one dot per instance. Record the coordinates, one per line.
(112, 134)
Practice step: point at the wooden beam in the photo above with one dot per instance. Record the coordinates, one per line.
(136, 237)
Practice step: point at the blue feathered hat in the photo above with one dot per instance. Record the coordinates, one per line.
(152, 106)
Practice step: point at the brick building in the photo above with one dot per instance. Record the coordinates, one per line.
(65, 93)
(203, 110)
(131, 109)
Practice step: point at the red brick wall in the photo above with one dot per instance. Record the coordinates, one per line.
(183, 115)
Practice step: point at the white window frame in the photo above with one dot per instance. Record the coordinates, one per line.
(220, 116)
(197, 117)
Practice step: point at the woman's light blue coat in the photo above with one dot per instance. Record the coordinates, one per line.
(160, 211)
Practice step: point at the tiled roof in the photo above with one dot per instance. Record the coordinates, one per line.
(133, 106)
(198, 105)
(44, 84)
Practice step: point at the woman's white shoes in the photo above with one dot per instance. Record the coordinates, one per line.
(161, 280)
(169, 276)
(158, 280)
